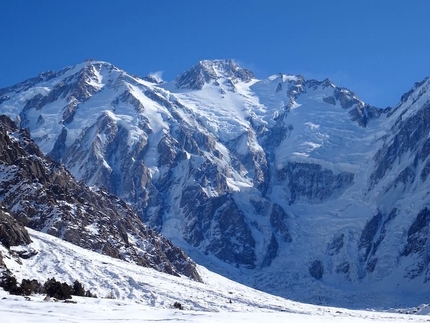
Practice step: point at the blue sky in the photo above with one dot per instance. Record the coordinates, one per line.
(377, 48)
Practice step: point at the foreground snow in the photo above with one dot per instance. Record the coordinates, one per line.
(16, 309)
(144, 294)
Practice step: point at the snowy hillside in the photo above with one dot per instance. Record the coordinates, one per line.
(294, 186)
(145, 294)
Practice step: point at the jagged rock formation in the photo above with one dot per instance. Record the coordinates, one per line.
(44, 196)
(12, 232)
(298, 182)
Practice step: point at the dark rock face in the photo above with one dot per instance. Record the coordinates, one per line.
(313, 183)
(410, 136)
(278, 219)
(59, 146)
(271, 253)
(343, 268)
(330, 100)
(150, 78)
(337, 244)
(346, 98)
(369, 233)
(372, 235)
(362, 114)
(2, 264)
(418, 247)
(220, 222)
(317, 269)
(236, 245)
(417, 233)
(12, 233)
(45, 197)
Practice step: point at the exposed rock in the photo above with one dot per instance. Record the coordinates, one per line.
(278, 219)
(271, 253)
(317, 269)
(346, 98)
(220, 222)
(418, 233)
(47, 198)
(12, 233)
(314, 183)
(410, 135)
(343, 268)
(369, 233)
(417, 246)
(330, 100)
(2, 264)
(337, 244)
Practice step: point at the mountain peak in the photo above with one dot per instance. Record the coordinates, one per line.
(211, 70)
(87, 66)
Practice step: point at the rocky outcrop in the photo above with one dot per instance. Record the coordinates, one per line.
(410, 137)
(313, 183)
(278, 220)
(12, 232)
(316, 269)
(271, 253)
(417, 246)
(44, 196)
(371, 237)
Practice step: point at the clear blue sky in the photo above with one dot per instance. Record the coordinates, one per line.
(377, 48)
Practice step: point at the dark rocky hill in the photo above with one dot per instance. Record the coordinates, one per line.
(44, 196)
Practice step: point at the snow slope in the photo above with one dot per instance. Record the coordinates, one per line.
(104, 275)
(17, 310)
(145, 295)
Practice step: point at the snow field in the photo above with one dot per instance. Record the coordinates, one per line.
(145, 295)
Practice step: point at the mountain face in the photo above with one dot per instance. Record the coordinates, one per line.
(44, 196)
(290, 185)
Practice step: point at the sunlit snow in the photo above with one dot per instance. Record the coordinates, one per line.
(145, 295)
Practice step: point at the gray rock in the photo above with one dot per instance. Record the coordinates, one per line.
(43, 195)
(12, 232)
(278, 219)
(316, 269)
(313, 183)
(271, 253)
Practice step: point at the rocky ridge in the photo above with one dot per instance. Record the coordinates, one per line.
(44, 196)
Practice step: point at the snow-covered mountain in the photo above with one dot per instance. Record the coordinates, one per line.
(293, 186)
